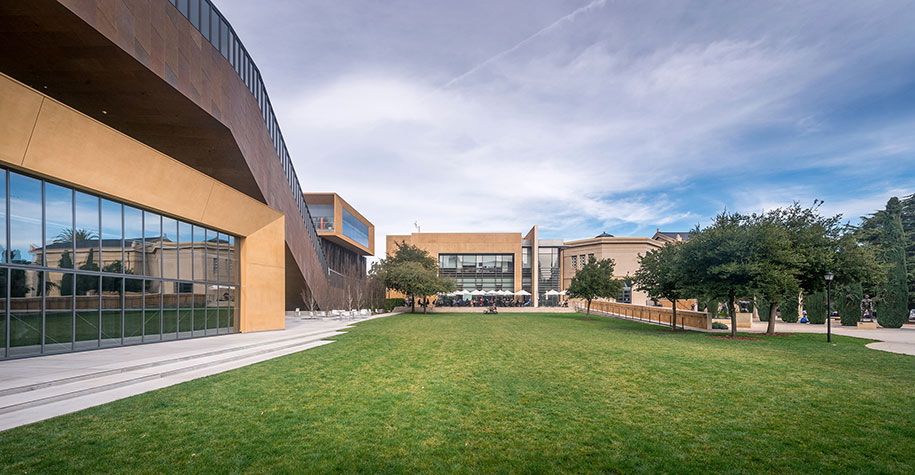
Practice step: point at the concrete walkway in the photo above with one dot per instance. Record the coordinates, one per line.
(893, 340)
(33, 389)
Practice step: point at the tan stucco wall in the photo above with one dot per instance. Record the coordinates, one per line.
(463, 243)
(624, 251)
(44, 137)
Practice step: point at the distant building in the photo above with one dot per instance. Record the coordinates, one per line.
(511, 261)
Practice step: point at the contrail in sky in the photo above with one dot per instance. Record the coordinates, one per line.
(566, 19)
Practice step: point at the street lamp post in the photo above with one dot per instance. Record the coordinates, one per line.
(828, 277)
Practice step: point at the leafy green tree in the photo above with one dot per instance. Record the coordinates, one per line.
(893, 311)
(718, 260)
(661, 274)
(412, 272)
(775, 262)
(848, 303)
(593, 280)
(815, 305)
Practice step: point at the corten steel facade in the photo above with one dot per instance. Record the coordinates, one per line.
(503, 261)
(148, 192)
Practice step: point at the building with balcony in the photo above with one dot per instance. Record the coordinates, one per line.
(146, 190)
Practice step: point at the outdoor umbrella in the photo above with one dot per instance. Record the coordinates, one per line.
(551, 293)
(522, 293)
(477, 292)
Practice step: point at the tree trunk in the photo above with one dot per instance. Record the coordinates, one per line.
(770, 329)
(673, 321)
(588, 314)
(412, 304)
(731, 303)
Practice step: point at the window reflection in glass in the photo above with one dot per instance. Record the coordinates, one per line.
(112, 237)
(3, 245)
(169, 248)
(58, 226)
(133, 240)
(87, 311)
(184, 245)
(58, 312)
(152, 312)
(25, 312)
(25, 219)
(152, 233)
(133, 310)
(199, 252)
(355, 229)
(86, 233)
(111, 310)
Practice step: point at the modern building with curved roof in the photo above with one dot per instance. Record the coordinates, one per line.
(146, 190)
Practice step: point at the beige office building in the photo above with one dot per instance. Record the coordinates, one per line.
(505, 261)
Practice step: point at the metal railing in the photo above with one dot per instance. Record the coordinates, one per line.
(213, 26)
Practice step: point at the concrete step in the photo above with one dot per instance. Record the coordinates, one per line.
(203, 363)
(151, 364)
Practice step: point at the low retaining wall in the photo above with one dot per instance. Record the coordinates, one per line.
(685, 318)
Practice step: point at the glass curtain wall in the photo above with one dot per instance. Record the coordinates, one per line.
(479, 271)
(78, 271)
(549, 265)
(355, 229)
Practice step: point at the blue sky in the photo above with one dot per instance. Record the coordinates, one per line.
(589, 115)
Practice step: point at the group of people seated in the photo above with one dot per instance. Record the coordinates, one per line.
(481, 302)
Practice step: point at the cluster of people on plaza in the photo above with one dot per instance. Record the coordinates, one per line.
(481, 302)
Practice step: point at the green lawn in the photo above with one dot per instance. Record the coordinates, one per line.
(508, 393)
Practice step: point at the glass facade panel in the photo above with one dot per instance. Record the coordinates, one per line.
(323, 217)
(58, 312)
(212, 303)
(112, 318)
(200, 309)
(4, 325)
(205, 19)
(3, 246)
(549, 275)
(133, 310)
(112, 237)
(25, 219)
(86, 233)
(185, 246)
(479, 271)
(355, 229)
(169, 248)
(230, 302)
(152, 245)
(169, 310)
(152, 311)
(82, 290)
(194, 13)
(87, 311)
(58, 212)
(133, 240)
(185, 310)
(223, 309)
(25, 312)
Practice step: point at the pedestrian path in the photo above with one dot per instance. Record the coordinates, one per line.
(893, 340)
(33, 389)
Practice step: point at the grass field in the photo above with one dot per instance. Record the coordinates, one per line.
(508, 393)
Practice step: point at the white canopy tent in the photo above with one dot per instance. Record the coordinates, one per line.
(477, 292)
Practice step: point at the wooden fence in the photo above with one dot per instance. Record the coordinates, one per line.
(685, 318)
